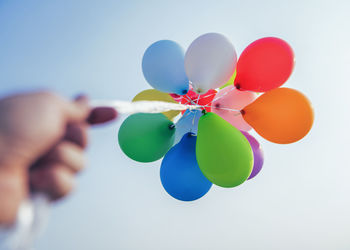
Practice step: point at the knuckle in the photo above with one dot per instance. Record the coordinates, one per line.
(71, 155)
(82, 164)
(78, 163)
(60, 151)
(56, 180)
(64, 148)
(62, 182)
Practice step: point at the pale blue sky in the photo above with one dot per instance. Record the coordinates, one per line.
(300, 199)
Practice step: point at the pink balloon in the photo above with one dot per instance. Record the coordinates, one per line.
(232, 98)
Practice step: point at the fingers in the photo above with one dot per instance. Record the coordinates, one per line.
(101, 115)
(55, 173)
(77, 134)
(56, 180)
(67, 154)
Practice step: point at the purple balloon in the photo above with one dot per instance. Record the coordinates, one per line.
(258, 154)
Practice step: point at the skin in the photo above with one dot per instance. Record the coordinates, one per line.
(42, 142)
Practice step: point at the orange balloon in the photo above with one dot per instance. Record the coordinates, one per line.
(281, 115)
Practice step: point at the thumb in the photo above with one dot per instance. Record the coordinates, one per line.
(77, 111)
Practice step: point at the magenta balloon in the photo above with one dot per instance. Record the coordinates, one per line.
(258, 154)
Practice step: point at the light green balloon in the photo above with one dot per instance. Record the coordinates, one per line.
(146, 137)
(223, 153)
(231, 81)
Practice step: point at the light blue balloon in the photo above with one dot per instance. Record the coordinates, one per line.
(164, 69)
(187, 123)
(180, 174)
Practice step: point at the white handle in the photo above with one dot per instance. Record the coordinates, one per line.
(31, 221)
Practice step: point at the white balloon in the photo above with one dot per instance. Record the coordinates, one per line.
(210, 62)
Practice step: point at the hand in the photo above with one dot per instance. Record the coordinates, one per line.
(42, 138)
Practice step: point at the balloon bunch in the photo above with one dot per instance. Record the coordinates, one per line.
(212, 145)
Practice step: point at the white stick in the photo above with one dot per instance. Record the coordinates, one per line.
(143, 106)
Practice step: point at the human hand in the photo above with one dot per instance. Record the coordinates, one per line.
(42, 139)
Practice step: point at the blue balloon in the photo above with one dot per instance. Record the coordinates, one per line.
(164, 69)
(180, 173)
(187, 123)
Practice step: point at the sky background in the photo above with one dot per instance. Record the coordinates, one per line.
(300, 200)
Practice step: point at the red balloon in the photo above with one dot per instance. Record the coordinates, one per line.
(264, 65)
(193, 98)
(176, 97)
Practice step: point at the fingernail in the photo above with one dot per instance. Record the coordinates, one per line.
(82, 99)
(101, 115)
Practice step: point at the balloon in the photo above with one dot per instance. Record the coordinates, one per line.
(146, 137)
(210, 62)
(203, 100)
(281, 115)
(230, 81)
(187, 123)
(231, 98)
(163, 67)
(223, 153)
(156, 95)
(265, 64)
(258, 154)
(180, 174)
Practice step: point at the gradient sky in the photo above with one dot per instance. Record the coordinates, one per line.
(300, 199)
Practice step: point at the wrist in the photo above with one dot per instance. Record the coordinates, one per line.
(13, 189)
(12, 183)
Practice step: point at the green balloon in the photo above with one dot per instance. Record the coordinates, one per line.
(146, 137)
(223, 153)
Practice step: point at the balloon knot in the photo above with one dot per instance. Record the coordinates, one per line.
(172, 126)
(184, 92)
(242, 112)
(199, 91)
(238, 86)
(204, 111)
